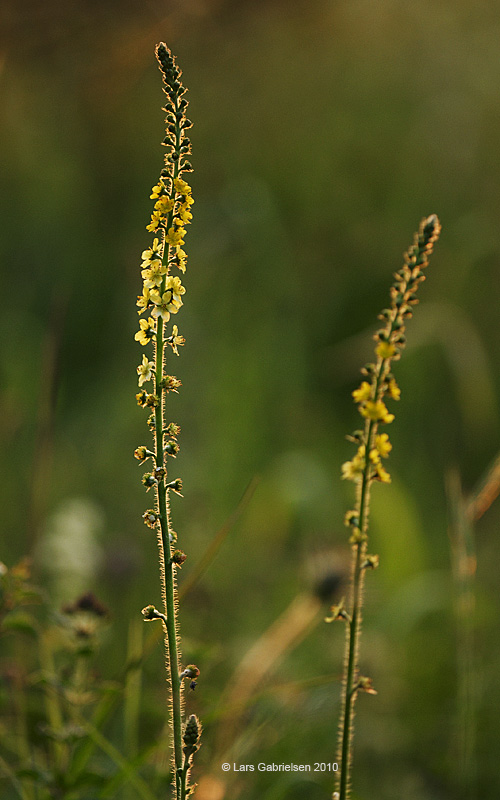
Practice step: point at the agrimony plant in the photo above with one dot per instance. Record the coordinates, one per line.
(367, 466)
(161, 298)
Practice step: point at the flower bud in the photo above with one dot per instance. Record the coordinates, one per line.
(175, 485)
(149, 480)
(191, 672)
(178, 557)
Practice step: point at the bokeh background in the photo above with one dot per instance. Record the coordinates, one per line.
(324, 131)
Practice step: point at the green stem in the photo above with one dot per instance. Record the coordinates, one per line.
(183, 779)
(354, 630)
(166, 567)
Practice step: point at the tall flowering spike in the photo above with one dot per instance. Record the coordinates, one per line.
(367, 465)
(162, 295)
(371, 396)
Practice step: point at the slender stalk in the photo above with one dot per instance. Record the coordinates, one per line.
(183, 779)
(463, 560)
(354, 627)
(142, 789)
(366, 467)
(161, 297)
(167, 576)
(349, 694)
(166, 570)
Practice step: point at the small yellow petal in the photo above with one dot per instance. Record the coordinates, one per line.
(363, 393)
(385, 350)
(393, 390)
(383, 445)
(376, 411)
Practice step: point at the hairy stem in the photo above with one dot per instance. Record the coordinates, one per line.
(162, 294)
(167, 573)
(354, 630)
(353, 634)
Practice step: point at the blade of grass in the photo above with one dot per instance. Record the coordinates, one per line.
(87, 747)
(128, 771)
(113, 785)
(463, 558)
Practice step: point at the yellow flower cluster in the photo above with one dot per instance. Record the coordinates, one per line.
(371, 394)
(161, 291)
(354, 470)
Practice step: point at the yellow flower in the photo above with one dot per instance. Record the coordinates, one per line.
(363, 393)
(164, 205)
(146, 332)
(385, 350)
(174, 236)
(152, 254)
(376, 411)
(383, 445)
(157, 190)
(181, 257)
(184, 214)
(375, 456)
(155, 221)
(171, 300)
(181, 187)
(145, 370)
(143, 300)
(154, 276)
(382, 474)
(353, 470)
(393, 390)
(350, 472)
(175, 340)
(176, 287)
(165, 305)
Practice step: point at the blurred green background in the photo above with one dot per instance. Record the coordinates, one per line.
(324, 131)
